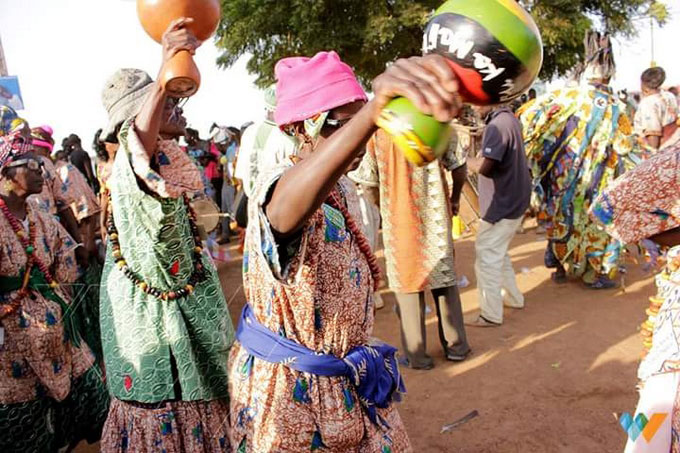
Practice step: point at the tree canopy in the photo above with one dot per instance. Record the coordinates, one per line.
(368, 34)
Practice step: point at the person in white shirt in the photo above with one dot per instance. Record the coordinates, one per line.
(263, 146)
(656, 119)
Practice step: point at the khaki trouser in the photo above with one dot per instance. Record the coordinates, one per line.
(411, 311)
(495, 276)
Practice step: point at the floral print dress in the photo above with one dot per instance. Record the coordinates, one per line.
(55, 196)
(318, 292)
(643, 202)
(84, 202)
(51, 395)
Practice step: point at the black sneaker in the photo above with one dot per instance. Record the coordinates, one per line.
(453, 357)
(403, 361)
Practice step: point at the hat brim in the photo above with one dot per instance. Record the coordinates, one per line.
(125, 109)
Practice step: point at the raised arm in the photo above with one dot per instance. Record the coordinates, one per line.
(149, 119)
(668, 238)
(427, 81)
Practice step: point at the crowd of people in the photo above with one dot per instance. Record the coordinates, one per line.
(113, 323)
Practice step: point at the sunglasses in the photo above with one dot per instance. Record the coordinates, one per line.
(31, 164)
(332, 123)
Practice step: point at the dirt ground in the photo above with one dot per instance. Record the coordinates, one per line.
(551, 379)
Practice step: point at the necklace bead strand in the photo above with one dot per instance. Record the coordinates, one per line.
(31, 259)
(197, 275)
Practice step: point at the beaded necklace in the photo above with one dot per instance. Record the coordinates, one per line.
(29, 247)
(197, 275)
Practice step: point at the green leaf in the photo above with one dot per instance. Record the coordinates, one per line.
(369, 34)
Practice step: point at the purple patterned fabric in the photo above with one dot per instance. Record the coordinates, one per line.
(372, 369)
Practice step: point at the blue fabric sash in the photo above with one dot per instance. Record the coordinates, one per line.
(372, 369)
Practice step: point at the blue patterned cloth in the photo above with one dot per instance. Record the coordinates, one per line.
(372, 369)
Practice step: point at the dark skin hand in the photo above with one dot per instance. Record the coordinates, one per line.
(668, 238)
(153, 114)
(482, 165)
(459, 176)
(427, 81)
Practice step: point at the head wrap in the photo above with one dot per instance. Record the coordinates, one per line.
(600, 64)
(123, 96)
(12, 146)
(308, 87)
(12, 141)
(42, 137)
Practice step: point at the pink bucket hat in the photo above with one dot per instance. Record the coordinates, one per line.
(309, 86)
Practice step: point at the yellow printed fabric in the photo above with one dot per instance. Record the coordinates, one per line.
(578, 140)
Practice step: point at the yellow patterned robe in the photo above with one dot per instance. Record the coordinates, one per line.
(578, 140)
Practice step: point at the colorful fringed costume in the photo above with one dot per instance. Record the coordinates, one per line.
(578, 141)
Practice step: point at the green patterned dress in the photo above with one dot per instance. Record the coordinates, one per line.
(166, 361)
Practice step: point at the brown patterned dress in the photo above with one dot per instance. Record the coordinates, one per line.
(51, 394)
(318, 293)
(55, 195)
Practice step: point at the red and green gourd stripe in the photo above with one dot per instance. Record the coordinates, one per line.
(507, 21)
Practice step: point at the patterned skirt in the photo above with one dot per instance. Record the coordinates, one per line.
(46, 425)
(171, 427)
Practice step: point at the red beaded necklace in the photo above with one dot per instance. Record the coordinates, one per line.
(365, 247)
(29, 247)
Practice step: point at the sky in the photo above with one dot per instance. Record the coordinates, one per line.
(64, 50)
